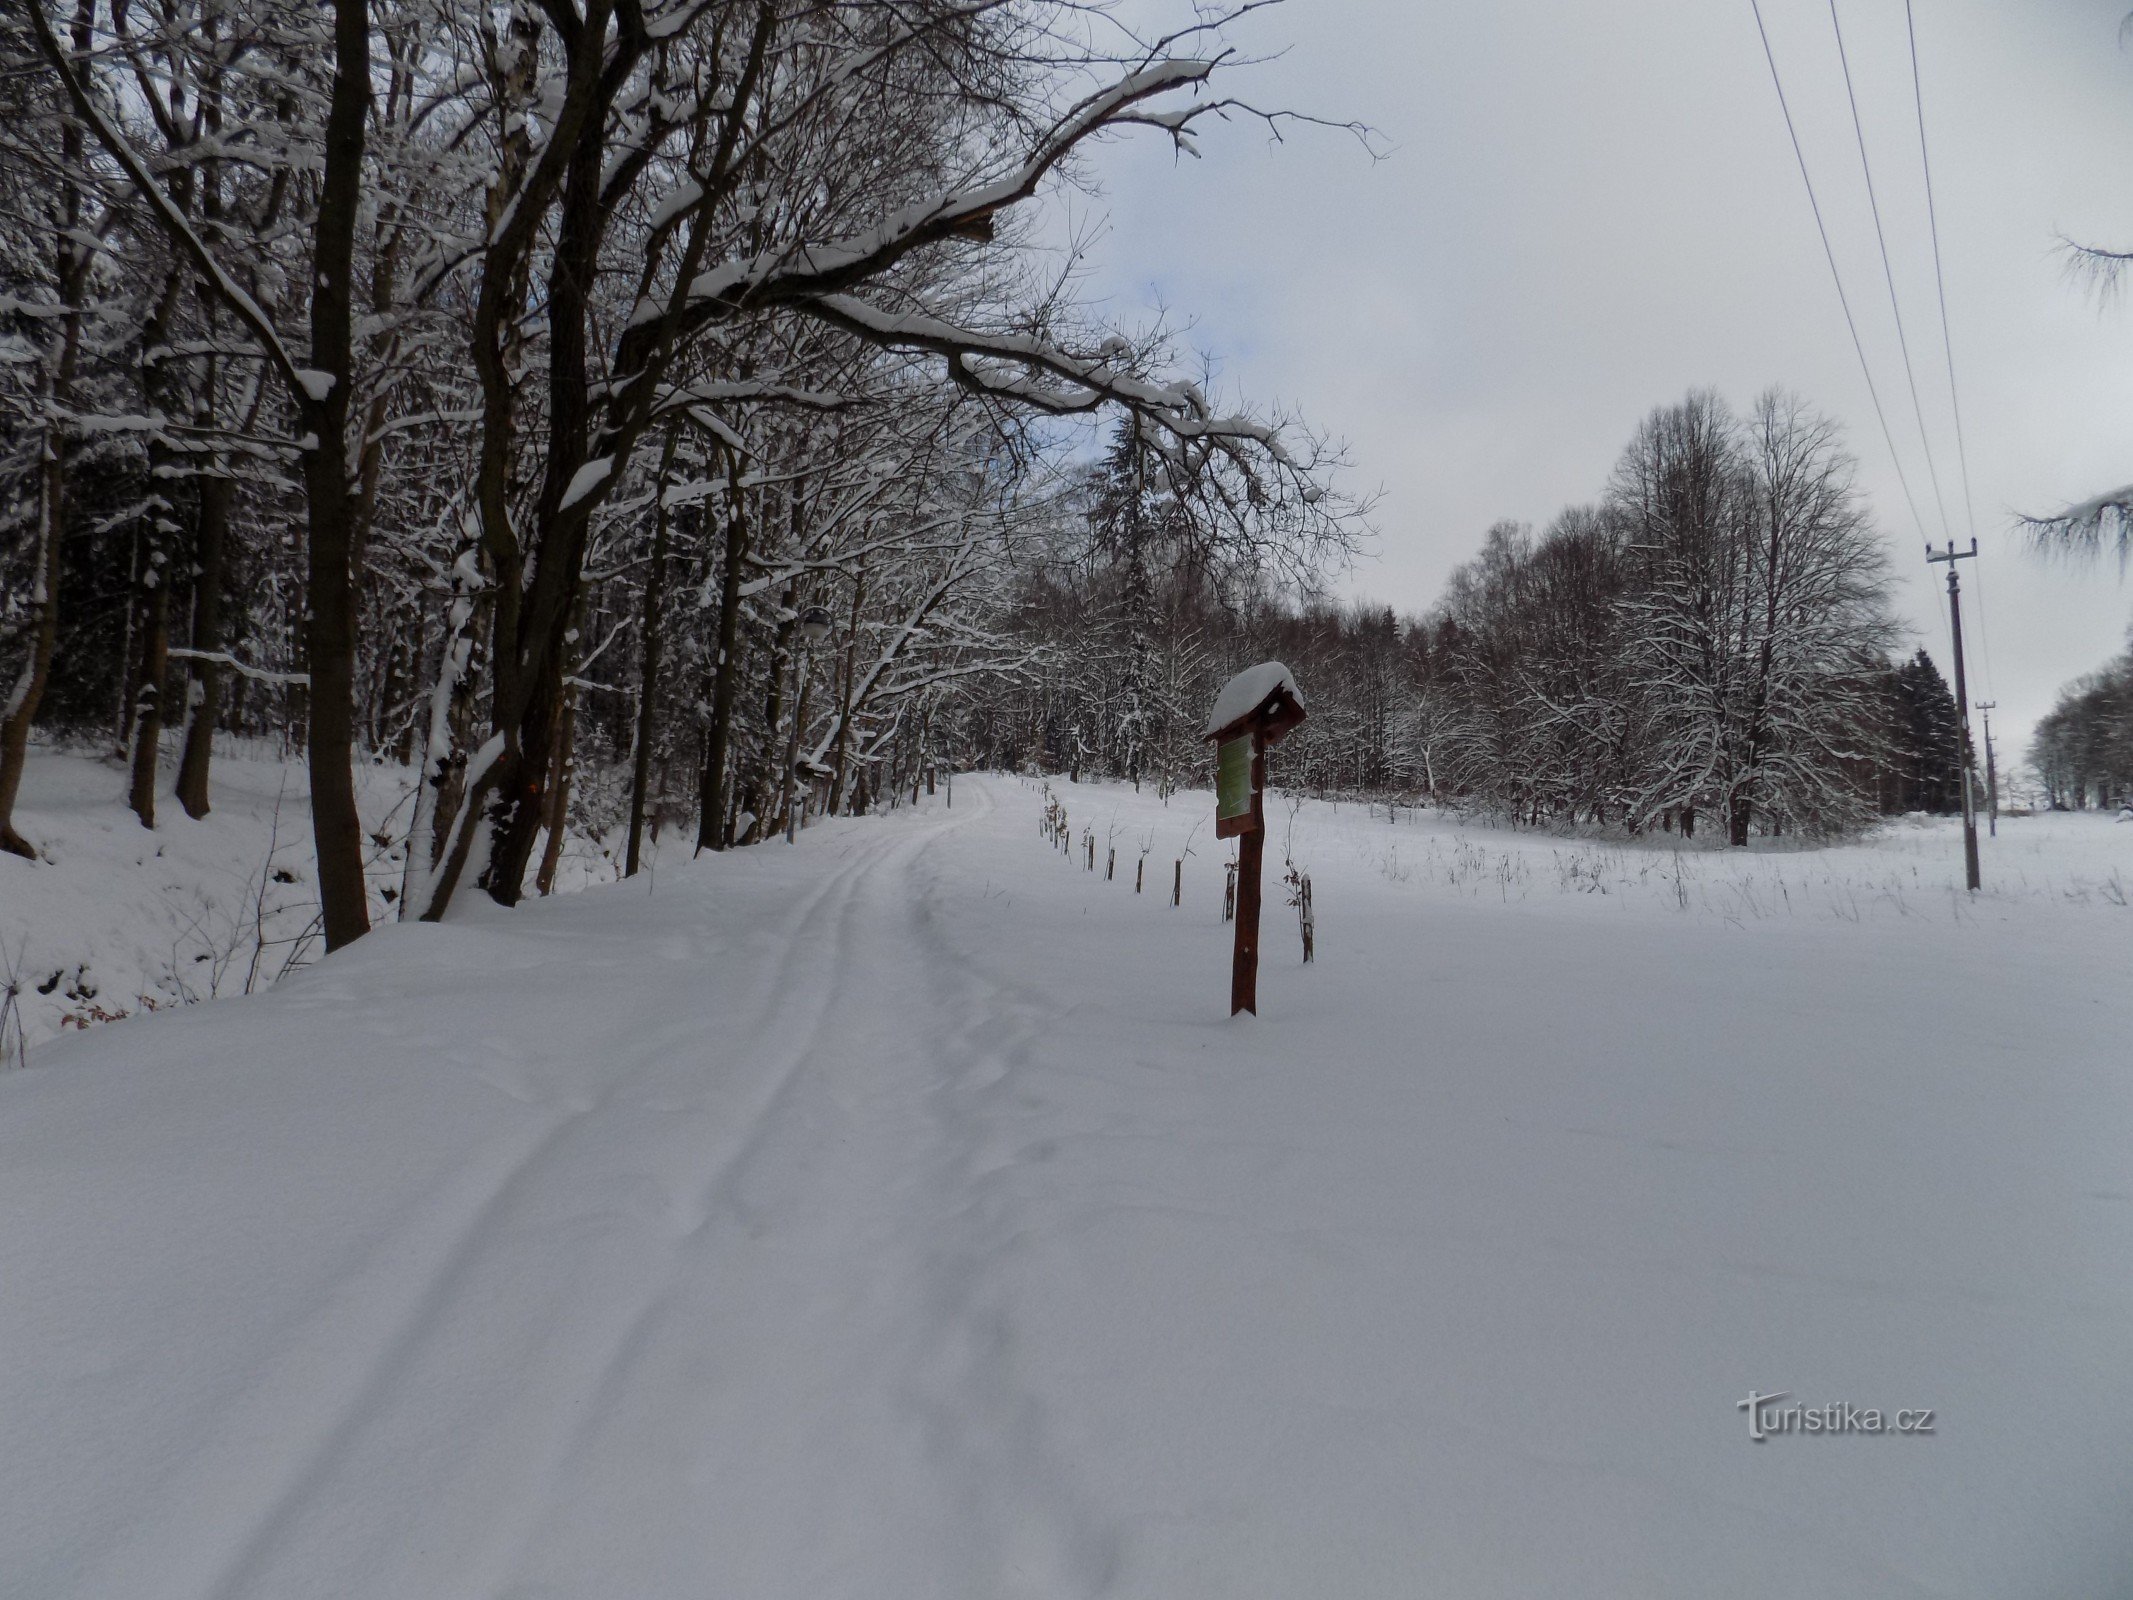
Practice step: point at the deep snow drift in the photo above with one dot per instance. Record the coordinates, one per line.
(897, 1215)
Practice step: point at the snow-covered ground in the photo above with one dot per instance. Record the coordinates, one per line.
(899, 1215)
(114, 919)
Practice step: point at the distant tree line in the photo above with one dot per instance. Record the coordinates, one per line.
(1710, 640)
(2082, 751)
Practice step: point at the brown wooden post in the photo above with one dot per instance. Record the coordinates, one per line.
(1240, 809)
(1251, 858)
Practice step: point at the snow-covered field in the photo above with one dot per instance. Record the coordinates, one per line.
(899, 1215)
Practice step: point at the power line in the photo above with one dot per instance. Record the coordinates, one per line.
(1837, 277)
(1888, 272)
(1940, 281)
(1947, 343)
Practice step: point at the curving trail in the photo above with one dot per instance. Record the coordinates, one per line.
(896, 1217)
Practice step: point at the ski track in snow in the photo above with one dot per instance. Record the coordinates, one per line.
(820, 992)
(798, 1021)
(892, 1218)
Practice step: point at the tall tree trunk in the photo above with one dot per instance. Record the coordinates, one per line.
(467, 809)
(204, 699)
(561, 758)
(155, 668)
(531, 619)
(559, 793)
(129, 658)
(768, 785)
(840, 754)
(711, 816)
(451, 717)
(22, 700)
(71, 274)
(216, 488)
(768, 782)
(336, 825)
(152, 593)
(653, 638)
(796, 791)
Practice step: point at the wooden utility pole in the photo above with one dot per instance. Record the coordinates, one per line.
(1992, 771)
(1962, 703)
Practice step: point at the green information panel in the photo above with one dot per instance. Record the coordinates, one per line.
(1233, 780)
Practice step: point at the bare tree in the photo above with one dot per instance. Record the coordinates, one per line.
(54, 204)
(318, 389)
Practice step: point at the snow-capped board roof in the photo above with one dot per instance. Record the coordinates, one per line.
(1247, 691)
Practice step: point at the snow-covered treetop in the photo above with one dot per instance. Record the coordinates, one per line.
(1247, 691)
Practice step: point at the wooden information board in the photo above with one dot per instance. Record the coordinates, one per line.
(1236, 803)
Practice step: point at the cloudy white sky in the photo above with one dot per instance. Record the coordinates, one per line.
(1586, 209)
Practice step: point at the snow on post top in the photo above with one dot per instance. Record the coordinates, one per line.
(1244, 694)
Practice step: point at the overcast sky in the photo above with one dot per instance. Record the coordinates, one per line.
(1585, 210)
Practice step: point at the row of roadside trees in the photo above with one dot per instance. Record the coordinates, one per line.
(519, 390)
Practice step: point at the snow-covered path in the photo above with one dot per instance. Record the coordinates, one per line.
(897, 1216)
(722, 1133)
